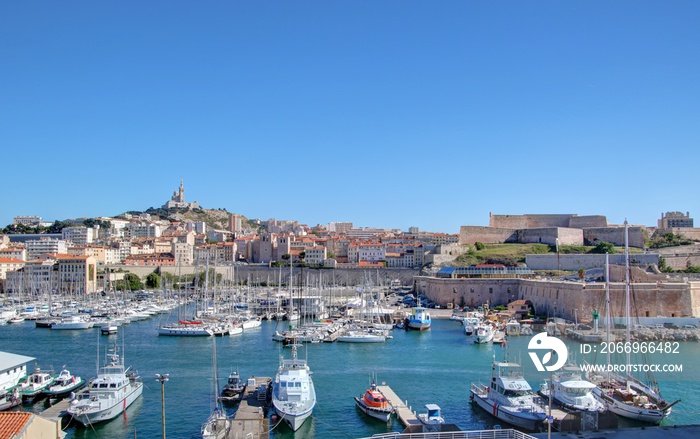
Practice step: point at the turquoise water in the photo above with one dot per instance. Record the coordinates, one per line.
(435, 366)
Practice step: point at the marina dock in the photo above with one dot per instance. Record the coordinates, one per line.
(57, 411)
(250, 421)
(403, 412)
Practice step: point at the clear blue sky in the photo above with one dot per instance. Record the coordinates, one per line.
(382, 113)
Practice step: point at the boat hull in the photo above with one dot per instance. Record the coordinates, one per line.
(294, 420)
(527, 420)
(377, 413)
(105, 414)
(652, 416)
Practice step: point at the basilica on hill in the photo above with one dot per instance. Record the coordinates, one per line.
(178, 199)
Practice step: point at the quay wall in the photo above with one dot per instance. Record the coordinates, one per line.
(257, 274)
(569, 300)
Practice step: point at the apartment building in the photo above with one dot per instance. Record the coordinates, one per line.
(42, 246)
(78, 235)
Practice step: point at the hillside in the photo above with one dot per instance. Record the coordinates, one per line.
(214, 218)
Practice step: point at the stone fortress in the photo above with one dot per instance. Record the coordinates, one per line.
(655, 297)
(551, 229)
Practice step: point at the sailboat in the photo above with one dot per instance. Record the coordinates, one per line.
(624, 394)
(218, 424)
(293, 393)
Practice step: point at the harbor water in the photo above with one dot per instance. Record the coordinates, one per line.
(435, 366)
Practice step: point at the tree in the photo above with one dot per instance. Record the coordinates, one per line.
(603, 247)
(131, 282)
(479, 245)
(153, 281)
(581, 273)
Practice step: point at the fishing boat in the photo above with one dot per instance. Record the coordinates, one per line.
(570, 390)
(35, 384)
(470, 324)
(234, 388)
(419, 319)
(484, 333)
(509, 397)
(373, 403)
(108, 395)
(293, 393)
(64, 384)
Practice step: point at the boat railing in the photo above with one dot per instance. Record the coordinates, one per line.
(476, 434)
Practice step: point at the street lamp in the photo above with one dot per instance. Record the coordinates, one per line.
(162, 378)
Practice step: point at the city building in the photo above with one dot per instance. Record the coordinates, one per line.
(37, 248)
(31, 221)
(671, 220)
(78, 235)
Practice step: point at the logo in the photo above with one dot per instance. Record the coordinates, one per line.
(551, 344)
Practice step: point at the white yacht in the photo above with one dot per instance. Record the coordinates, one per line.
(470, 324)
(513, 327)
(72, 322)
(114, 389)
(571, 390)
(182, 330)
(509, 397)
(293, 393)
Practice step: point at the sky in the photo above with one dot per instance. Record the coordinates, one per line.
(384, 113)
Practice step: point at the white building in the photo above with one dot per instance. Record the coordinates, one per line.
(13, 368)
(36, 248)
(183, 253)
(315, 255)
(143, 230)
(31, 221)
(338, 227)
(78, 235)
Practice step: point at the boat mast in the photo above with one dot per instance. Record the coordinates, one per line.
(607, 304)
(627, 292)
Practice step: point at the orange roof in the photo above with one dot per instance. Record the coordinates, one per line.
(11, 423)
(11, 261)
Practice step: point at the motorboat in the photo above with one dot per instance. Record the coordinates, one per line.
(35, 383)
(64, 384)
(570, 390)
(526, 329)
(185, 330)
(251, 323)
(470, 325)
(419, 319)
(109, 329)
(432, 418)
(513, 327)
(72, 322)
(234, 388)
(293, 393)
(373, 403)
(484, 333)
(108, 395)
(509, 397)
(10, 399)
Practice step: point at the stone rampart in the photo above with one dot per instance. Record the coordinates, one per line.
(587, 221)
(692, 233)
(587, 261)
(508, 221)
(550, 235)
(538, 221)
(616, 235)
(486, 235)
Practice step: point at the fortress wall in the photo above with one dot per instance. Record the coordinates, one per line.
(535, 221)
(615, 235)
(587, 261)
(587, 221)
(689, 232)
(508, 221)
(486, 235)
(569, 300)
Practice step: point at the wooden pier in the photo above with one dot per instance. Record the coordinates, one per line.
(250, 421)
(403, 412)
